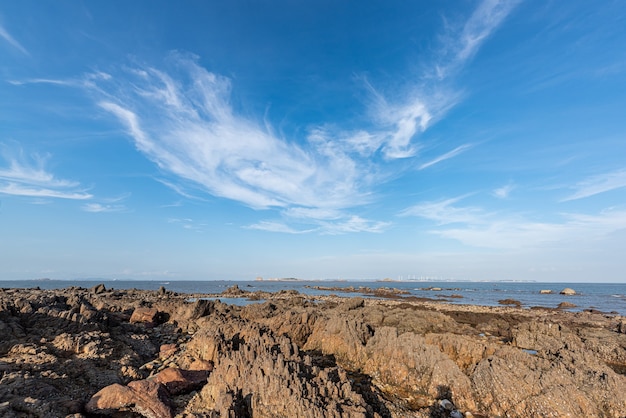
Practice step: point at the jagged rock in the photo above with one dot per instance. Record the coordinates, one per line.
(291, 357)
(562, 384)
(265, 377)
(98, 289)
(418, 372)
(234, 290)
(195, 310)
(344, 338)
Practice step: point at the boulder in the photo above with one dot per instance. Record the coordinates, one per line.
(148, 316)
(545, 292)
(568, 292)
(145, 397)
(178, 381)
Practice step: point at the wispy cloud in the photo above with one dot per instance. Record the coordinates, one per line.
(476, 227)
(189, 224)
(183, 121)
(275, 226)
(41, 81)
(108, 205)
(4, 34)
(461, 42)
(26, 176)
(103, 208)
(458, 150)
(351, 224)
(192, 131)
(518, 233)
(430, 98)
(445, 212)
(504, 191)
(598, 184)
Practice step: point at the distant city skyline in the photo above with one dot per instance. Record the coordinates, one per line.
(478, 140)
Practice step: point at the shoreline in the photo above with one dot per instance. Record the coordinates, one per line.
(610, 298)
(359, 356)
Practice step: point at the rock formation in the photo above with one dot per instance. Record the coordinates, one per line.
(79, 352)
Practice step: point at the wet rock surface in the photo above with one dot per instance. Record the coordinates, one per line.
(128, 353)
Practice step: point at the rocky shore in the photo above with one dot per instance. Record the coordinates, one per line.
(96, 352)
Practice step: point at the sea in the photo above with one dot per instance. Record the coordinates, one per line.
(605, 297)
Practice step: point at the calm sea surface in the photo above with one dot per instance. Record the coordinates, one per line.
(606, 297)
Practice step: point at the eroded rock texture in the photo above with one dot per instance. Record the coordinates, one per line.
(103, 352)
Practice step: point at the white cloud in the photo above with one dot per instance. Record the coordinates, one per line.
(353, 224)
(461, 42)
(444, 212)
(458, 150)
(514, 233)
(274, 226)
(17, 189)
(189, 224)
(100, 208)
(504, 191)
(476, 227)
(427, 101)
(42, 81)
(598, 184)
(350, 224)
(192, 131)
(25, 176)
(4, 34)
(184, 122)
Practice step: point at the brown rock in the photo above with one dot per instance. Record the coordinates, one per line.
(144, 397)
(234, 290)
(98, 289)
(167, 350)
(148, 316)
(201, 365)
(178, 381)
(109, 399)
(512, 302)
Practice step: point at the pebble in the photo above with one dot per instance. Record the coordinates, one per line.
(446, 404)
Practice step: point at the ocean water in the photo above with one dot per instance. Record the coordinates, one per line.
(605, 297)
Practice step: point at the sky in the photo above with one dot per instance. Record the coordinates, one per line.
(200, 140)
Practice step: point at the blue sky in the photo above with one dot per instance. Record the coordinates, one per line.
(481, 140)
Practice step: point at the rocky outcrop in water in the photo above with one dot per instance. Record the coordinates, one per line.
(103, 352)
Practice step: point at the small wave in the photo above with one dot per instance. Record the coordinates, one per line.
(619, 296)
